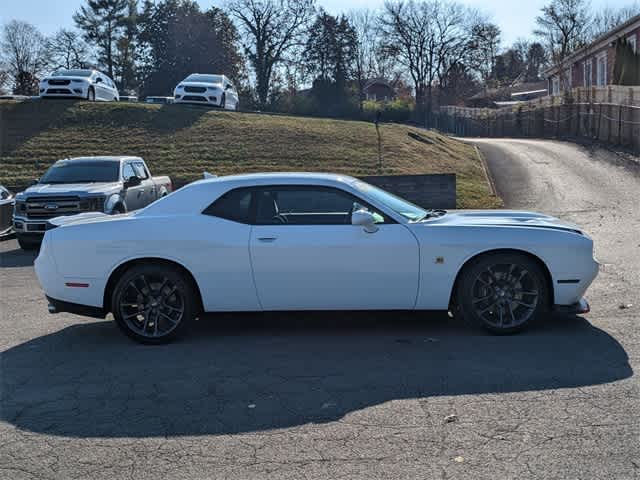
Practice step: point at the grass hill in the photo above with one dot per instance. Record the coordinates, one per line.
(183, 141)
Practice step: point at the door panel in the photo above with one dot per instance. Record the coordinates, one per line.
(334, 267)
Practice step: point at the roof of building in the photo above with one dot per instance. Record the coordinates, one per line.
(599, 42)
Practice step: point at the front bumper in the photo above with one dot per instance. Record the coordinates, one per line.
(63, 91)
(207, 98)
(578, 308)
(34, 228)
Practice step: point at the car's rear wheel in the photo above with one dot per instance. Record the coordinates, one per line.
(503, 293)
(153, 304)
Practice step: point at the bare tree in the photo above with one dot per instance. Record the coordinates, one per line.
(607, 18)
(407, 29)
(365, 66)
(430, 39)
(271, 29)
(24, 56)
(563, 27)
(67, 50)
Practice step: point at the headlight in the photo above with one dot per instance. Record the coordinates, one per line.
(180, 86)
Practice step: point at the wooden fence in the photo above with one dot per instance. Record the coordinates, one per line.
(610, 115)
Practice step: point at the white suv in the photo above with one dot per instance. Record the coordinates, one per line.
(90, 85)
(207, 89)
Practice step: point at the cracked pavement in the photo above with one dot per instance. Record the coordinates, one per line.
(344, 395)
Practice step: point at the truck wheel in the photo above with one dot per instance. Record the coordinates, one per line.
(118, 209)
(153, 304)
(28, 245)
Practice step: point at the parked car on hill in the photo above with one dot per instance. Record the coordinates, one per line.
(206, 89)
(6, 211)
(110, 185)
(90, 85)
(310, 242)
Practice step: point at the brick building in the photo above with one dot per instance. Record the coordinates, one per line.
(593, 65)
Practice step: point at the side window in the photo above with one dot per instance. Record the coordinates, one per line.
(128, 171)
(140, 170)
(301, 205)
(234, 205)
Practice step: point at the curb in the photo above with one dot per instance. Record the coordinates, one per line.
(487, 173)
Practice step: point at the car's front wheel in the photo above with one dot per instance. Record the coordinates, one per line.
(91, 95)
(223, 102)
(153, 304)
(503, 292)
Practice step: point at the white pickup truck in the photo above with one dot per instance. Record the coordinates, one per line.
(110, 185)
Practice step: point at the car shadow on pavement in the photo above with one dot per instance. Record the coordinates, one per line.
(250, 373)
(17, 258)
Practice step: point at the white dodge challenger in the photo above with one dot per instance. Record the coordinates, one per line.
(298, 241)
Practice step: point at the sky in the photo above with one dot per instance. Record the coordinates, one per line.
(515, 17)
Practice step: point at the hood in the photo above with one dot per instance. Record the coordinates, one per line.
(44, 189)
(504, 218)
(64, 77)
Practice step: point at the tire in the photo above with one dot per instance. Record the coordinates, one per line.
(223, 102)
(91, 95)
(118, 209)
(503, 293)
(154, 304)
(27, 245)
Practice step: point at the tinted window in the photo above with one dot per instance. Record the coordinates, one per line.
(140, 170)
(234, 205)
(204, 78)
(72, 73)
(128, 171)
(82, 172)
(306, 206)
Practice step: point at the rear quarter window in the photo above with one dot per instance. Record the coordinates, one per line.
(234, 205)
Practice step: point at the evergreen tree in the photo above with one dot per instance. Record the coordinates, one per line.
(103, 22)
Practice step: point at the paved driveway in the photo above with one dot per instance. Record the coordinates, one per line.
(344, 395)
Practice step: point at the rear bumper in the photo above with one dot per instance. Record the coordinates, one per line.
(60, 306)
(578, 308)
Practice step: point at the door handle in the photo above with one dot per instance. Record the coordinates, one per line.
(267, 239)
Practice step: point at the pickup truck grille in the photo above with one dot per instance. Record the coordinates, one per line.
(49, 207)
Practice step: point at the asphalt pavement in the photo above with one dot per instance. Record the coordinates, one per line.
(343, 395)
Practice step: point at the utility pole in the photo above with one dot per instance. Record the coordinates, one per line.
(377, 124)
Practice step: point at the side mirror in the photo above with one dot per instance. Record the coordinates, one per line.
(364, 219)
(98, 80)
(132, 182)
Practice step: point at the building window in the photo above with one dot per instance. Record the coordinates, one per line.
(602, 70)
(588, 78)
(633, 41)
(555, 86)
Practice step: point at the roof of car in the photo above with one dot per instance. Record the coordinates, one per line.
(118, 158)
(301, 177)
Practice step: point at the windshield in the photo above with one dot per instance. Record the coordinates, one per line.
(90, 171)
(406, 209)
(204, 78)
(72, 73)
